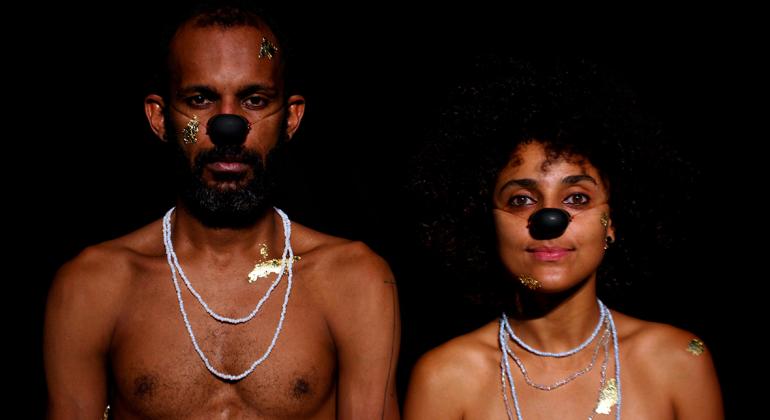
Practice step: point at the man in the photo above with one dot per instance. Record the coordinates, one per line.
(176, 319)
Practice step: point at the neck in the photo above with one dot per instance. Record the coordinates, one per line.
(559, 322)
(190, 235)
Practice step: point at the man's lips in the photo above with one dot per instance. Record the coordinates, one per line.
(549, 253)
(223, 166)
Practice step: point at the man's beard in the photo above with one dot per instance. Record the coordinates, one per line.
(237, 205)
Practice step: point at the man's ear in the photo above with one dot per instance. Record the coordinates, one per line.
(294, 116)
(153, 108)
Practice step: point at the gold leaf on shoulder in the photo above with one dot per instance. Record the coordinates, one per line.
(696, 347)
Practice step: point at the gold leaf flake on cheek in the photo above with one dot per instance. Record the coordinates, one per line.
(605, 220)
(529, 282)
(190, 131)
(696, 347)
(608, 397)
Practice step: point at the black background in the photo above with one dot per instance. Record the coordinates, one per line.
(85, 168)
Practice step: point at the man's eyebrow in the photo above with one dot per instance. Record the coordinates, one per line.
(201, 89)
(211, 92)
(574, 179)
(254, 88)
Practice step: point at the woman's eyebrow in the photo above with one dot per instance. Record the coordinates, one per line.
(574, 179)
(522, 183)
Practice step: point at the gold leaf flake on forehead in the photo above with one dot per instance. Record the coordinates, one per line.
(696, 347)
(267, 49)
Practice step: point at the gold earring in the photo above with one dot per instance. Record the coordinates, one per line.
(607, 241)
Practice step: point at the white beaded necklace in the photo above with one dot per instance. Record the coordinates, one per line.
(506, 333)
(288, 262)
(602, 315)
(252, 314)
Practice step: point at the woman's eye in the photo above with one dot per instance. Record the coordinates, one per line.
(577, 199)
(520, 200)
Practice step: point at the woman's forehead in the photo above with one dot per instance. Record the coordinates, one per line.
(537, 157)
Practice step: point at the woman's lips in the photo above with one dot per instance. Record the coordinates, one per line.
(549, 254)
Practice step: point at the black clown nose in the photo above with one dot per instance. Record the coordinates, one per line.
(226, 129)
(548, 223)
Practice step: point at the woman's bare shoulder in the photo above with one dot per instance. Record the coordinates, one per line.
(676, 361)
(461, 359)
(447, 379)
(658, 342)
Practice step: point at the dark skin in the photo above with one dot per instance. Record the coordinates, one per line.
(114, 307)
(660, 379)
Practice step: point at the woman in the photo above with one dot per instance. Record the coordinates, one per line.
(563, 163)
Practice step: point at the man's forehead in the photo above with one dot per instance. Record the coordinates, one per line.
(202, 55)
(240, 36)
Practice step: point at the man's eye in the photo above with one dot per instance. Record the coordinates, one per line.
(577, 199)
(255, 102)
(520, 200)
(197, 100)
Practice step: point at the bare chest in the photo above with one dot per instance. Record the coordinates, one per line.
(159, 373)
(580, 398)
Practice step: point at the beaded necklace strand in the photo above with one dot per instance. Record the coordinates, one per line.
(286, 265)
(506, 334)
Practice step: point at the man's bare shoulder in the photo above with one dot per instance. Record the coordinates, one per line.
(100, 271)
(340, 260)
(85, 301)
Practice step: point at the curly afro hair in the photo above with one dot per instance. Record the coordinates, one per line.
(575, 110)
